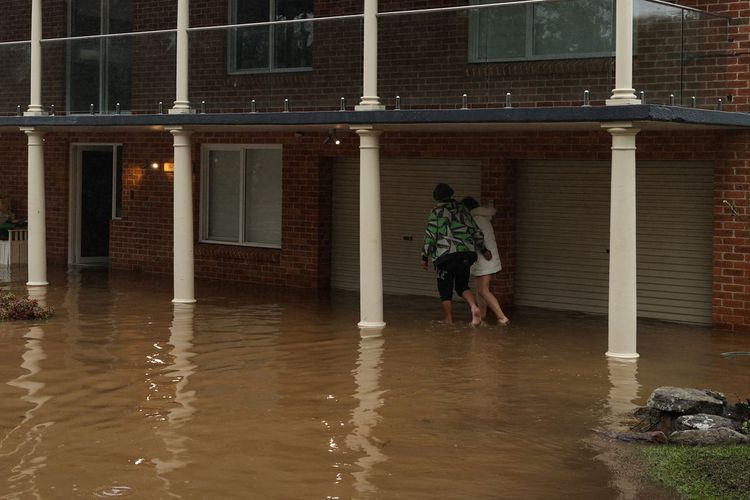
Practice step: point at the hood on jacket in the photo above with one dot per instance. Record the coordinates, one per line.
(484, 212)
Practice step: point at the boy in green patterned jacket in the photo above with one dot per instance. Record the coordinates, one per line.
(452, 240)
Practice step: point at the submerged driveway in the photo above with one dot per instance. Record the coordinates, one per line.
(262, 393)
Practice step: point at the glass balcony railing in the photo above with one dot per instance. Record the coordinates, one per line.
(111, 74)
(303, 65)
(523, 54)
(526, 54)
(680, 55)
(14, 77)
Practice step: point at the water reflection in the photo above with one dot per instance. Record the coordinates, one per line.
(257, 394)
(623, 391)
(179, 372)
(21, 443)
(365, 416)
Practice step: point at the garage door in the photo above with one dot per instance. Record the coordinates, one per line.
(406, 198)
(563, 238)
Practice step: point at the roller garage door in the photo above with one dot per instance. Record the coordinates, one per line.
(406, 198)
(563, 238)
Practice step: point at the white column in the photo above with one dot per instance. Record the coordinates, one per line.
(370, 100)
(623, 93)
(37, 244)
(370, 238)
(35, 100)
(181, 103)
(622, 253)
(184, 281)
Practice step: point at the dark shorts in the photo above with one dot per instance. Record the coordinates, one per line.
(453, 274)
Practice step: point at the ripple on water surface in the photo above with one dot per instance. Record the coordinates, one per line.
(276, 394)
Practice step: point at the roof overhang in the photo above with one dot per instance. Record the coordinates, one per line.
(647, 117)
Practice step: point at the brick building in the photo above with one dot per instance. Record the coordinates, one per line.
(231, 140)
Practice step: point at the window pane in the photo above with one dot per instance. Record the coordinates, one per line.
(120, 16)
(223, 195)
(293, 42)
(86, 18)
(119, 55)
(119, 74)
(573, 27)
(84, 75)
(263, 196)
(251, 44)
(252, 48)
(499, 32)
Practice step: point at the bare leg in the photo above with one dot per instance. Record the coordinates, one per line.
(482, 304)
(447, 311)
(476, 314)
(483, 290)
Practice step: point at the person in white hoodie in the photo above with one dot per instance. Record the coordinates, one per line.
(483, 269)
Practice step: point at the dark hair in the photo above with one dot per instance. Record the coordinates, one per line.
(442, 192)
(470, 203)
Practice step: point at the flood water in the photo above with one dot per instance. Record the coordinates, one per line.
(261, 393)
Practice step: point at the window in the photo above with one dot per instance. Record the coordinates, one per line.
(555, 30)
(99, 70)
(285, 47)
(241, 195)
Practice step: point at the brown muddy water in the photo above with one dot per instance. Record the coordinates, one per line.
(258, 393)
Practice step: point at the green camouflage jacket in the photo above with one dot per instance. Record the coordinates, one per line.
(451, 229)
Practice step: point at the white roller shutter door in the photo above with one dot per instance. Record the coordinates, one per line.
(563, 237)
(406, 198)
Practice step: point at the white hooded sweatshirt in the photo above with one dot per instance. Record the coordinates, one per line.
(483, 217)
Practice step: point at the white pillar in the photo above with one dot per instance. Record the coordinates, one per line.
(370, 238)
(622, 253)
(623, 93)
(370, 100)
(184, 281)
(37, 244)
(181, 103)
(35, 100)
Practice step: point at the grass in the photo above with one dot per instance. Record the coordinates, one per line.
(713, 472)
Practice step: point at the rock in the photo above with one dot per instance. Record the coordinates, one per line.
(722, 435)
(648, 419)
(685, 401)
(716, 394)
(702, 421)
(740, 411)
(644, 437)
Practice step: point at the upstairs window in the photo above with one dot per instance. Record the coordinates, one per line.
(282, 47)
(569, 29)
(99, 70)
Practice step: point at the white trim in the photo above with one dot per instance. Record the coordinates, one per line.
(74, 202)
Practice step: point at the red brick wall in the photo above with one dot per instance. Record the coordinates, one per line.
(731, 281)
(13, 171)
(143, 239)
(423, 58)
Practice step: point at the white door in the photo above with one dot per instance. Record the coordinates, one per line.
(406, 198)
(563, 238)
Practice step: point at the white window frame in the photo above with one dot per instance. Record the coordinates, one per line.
(204, 205)
(232, 46)
(474, 49)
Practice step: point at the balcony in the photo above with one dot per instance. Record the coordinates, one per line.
(528, 54)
